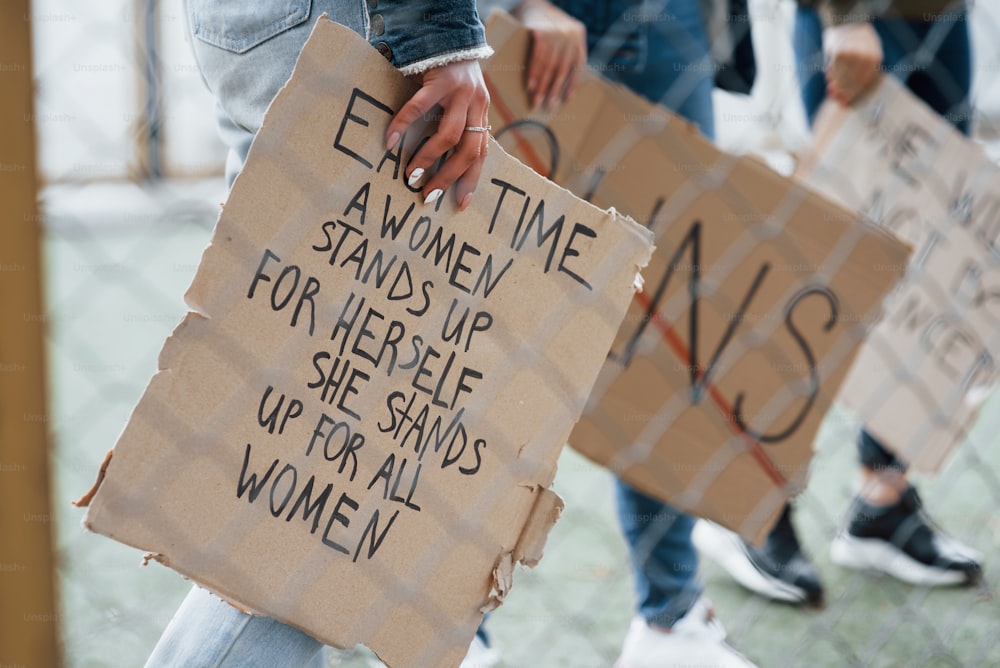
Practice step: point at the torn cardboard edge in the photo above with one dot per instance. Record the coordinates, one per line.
(535, 531)
(88, 496)
(528, 552)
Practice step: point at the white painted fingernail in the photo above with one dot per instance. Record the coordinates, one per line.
(415, 176)
(432, 196)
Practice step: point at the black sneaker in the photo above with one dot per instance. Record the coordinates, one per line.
(779, 570)
(900, 540)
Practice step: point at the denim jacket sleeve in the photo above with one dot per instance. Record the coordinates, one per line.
(416, 36)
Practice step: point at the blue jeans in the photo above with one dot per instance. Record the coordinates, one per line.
(659, 50)
(245, 82)
(205, 632)
(933, 59)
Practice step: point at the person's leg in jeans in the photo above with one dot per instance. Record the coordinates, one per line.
(210, 631)
(663, 559)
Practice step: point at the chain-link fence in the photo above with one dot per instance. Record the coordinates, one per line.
(133, 171)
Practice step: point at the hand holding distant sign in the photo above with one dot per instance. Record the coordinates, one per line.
(854, 59)
(558, 52)
(459, 89)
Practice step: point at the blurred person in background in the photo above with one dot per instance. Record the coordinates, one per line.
(841, 48)
(661, 51)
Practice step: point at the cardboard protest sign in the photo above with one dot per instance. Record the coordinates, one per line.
(754, 304)
(932, 360)
(355, 429)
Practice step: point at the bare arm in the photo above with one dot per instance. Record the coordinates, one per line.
(558, 52)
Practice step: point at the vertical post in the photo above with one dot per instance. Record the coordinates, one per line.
(149, 124)
(28, 608)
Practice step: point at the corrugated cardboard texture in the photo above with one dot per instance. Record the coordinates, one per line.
(933, 359)
(754, 303)
(355, 428)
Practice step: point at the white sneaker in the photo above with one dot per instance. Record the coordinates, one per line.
(779, 570)
(696, 640)
(480, 656)
(902, 541)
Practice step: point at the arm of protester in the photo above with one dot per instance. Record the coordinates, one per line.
(558, 52)
(438, 45)
(853, 54)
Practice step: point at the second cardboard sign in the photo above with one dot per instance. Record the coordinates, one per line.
(755, 302)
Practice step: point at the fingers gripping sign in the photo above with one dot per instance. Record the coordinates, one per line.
(854, 59)
(459, 90)
(558, 52)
